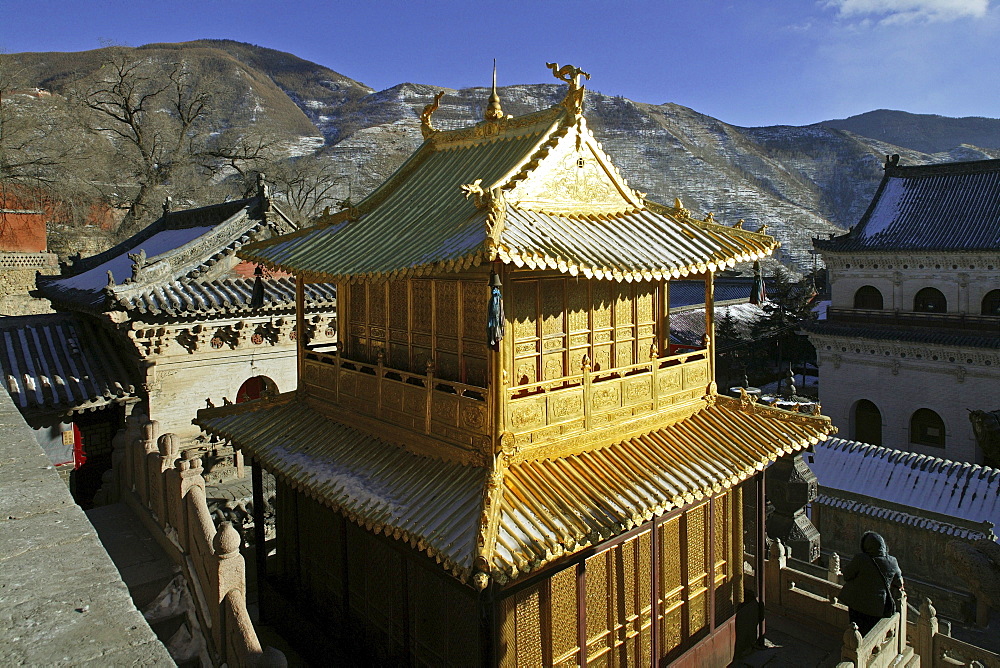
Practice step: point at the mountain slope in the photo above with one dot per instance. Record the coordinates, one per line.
(923, 132)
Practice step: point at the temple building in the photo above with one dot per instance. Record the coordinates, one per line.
(165, 320)
(502, 461)
(914, 319)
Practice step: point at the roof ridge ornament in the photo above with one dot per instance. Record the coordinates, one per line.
(494, 112)
(426, 129)
(571, 75)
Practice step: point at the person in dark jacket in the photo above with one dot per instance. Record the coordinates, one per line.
(873, 584)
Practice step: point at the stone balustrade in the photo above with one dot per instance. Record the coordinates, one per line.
(166, 490)
(812, 599)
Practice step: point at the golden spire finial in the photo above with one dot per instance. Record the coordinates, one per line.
(493, 110)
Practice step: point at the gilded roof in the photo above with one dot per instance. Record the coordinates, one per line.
(536, 191)
(547, 507)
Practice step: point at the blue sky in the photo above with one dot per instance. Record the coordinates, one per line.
(746, 62)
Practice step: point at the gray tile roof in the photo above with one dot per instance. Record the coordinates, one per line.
(947, 207)
(231, 294)
(61, 361)
(958, 489)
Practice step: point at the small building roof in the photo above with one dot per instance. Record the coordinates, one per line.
(61, 362)
(180, 265)
(534, 191)
(878, 332)
(946, 207)
(959, 489)
(547, 507)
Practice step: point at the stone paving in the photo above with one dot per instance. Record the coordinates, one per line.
(789, 644)
(62, 600)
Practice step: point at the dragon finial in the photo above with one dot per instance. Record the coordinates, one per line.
(571, 75)
(425, 116)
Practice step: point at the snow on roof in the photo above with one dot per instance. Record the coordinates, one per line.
(958, 489)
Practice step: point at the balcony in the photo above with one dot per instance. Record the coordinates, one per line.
(983, 325)
(534, 413)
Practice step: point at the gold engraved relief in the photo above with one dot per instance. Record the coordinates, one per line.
(415, 401)
(637, 390)
(695, 375)
(645, 331)
(526, 415)
(473, 416)
(578, 307)
(446, 299)
(602, 359)
(552, 344)
(552, 307)
(605, 396)
(569, 181)
(561, 407)
(526, 373)
(475, 349)
(670, 381)
(445, 409)
(602, 336)
(398, 308)
(623, 306)
(378, 333)
(376, 298)
(359, 330)
(624, 353)
(422, 306)
(366, 387)
(602, 304)
(524, 309)
(313, 374)
(359, 303)
(525, 348)
(577, 340)
(553, 368)
(644, 304)
(392, 397)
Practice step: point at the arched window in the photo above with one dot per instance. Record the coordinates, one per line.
(867, 423)
(868, 296)
(927, 428)
(930, 300)
(254, 388)
(991, 303)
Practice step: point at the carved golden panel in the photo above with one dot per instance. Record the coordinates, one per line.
(623, 353)
(392, 396)
(415, 400)
(602, 303)
(378, 333)
(644, 303)
(525, 372)
(565, 405)
(420, 358)
(477, 349)
(578, 340)
(450, 345)
(398, 335)
(576, 361)
(624, 334)
(444, 408)
(367, 387)
(527, 414)
(446, 366)
(695, 374)
(553, 367)
(359, 303)
(552, 306)
(475, 371)
(669, 381)
(422, 305)
(552, 344)
(605, 395)
(473, 417)
(446, 305)
(570, 181)
(313, 374)
(524, 309)
(602, 336)
(475, 298)
(377, 304)
(602, 358)
(529, 348)
(645, 331)
(578, 305)
(421, 340)
(637, 390)
(359, 330)
(623, 305)
(398, 305)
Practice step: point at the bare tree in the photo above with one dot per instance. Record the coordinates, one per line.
(160, 120)
(306, 185)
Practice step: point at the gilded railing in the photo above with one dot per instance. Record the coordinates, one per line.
(451, 411)
(541, 411)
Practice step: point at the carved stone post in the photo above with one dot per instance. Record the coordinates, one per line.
(790, 486)
(852, 641)
(119, 447)
(833, 574)
(145, 447)
(228, 575)
(167, 446)
(927, 628)
(776, 561)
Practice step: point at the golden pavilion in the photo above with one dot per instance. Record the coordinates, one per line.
(503, 460)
